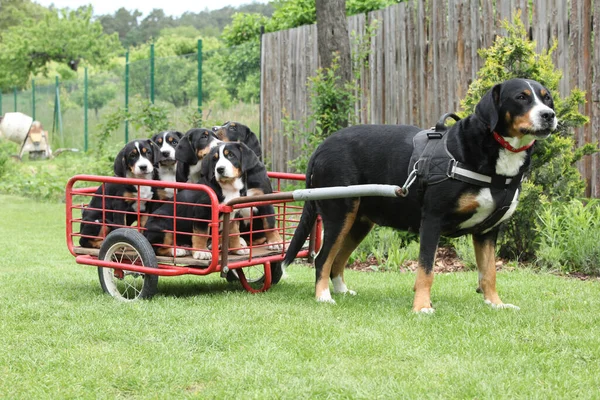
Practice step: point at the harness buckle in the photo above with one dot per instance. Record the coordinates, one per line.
(450, 172)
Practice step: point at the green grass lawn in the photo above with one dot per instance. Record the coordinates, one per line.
(203, 338)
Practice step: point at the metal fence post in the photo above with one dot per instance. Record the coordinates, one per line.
(152, 73)
(127, 96)
(200, 78)
(85, 110)
(57, 123)
(15, 97)
(33, 99)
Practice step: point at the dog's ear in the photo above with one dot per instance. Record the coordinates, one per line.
(249, 158)
(207, 168)
(185, 151)
(489, 106)
(252, 142)
(120, 166)
(156, 154)
(178, 134)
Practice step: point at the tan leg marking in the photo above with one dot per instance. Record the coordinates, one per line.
(272, 233)
(485, 255)
(167, 242)
(422, 301)
(322, 285)
(97, 243)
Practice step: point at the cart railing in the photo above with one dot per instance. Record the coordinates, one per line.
(79, 193)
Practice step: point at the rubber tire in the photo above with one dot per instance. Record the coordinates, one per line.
(135, 241)
(276, 274)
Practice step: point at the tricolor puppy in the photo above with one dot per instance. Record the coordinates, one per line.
(236, 132)
(135, 160)
(228, 169)
(193, 146)
(468, 182)
(166, 163)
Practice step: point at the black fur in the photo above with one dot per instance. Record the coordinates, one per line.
(194, 145)
(379, 154)
(236, 132)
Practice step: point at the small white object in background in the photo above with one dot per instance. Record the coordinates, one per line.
(22, 129)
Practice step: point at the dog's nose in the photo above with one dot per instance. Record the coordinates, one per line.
(548, 115)
(220, 170)
(143, 167)
(166, 154)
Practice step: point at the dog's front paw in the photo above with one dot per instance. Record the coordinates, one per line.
(425, 310)
(202, 255)
(241, 252)
(325, 297)
(275, 246)
(501, 305)
(179, 252)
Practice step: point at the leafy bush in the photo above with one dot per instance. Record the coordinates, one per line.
(553, 175)
(568, 236)
(391, 248)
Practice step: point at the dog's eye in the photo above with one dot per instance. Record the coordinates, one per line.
(521, 96)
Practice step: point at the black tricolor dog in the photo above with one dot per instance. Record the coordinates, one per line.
(166, 163)
(195, 144)
(231, 170)
(236, 132)
(135, 160)
(473, 171)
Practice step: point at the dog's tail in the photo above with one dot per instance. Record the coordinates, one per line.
(305, 225)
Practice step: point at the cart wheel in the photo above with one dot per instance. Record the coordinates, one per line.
(127, 246)
(255, 274)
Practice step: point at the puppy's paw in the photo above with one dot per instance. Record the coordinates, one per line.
(502, 305)
(179, 252)
(202, 255)
(275, 246)
(241, 252)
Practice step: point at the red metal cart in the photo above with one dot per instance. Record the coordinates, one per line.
(128, 267)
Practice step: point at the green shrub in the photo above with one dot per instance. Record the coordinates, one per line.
(391, 248)
(568, 235)
(553, 173)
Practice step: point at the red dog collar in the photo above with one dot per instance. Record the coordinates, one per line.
(507, 145)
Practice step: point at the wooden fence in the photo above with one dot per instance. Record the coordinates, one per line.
(423, 58)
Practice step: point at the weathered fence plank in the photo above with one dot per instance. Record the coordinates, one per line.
(423, 58)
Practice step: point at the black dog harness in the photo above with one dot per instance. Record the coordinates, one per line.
(431, 163)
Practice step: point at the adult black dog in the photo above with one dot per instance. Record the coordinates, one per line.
(467, 182)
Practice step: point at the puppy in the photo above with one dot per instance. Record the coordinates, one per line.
(229, 170)
(195, 144)
(236, 132)
(468, 182)
(166, 162)
(264, 225)
(118, 202)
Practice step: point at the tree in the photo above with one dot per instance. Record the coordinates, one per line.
(333, 41)
(67, 37)
(14, 12)
(121, 22)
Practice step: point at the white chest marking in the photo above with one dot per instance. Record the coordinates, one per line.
(509, 163)
(486, 207)
(145, 194)
(194, 176)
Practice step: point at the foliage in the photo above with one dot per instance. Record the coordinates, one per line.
(553, 175)
(102, 88)
(568, 236)
(332, 103)
(68, 37)
(391, 248)
(243, 27)
(15, 12)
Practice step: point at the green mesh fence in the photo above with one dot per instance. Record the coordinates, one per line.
(173, 86)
